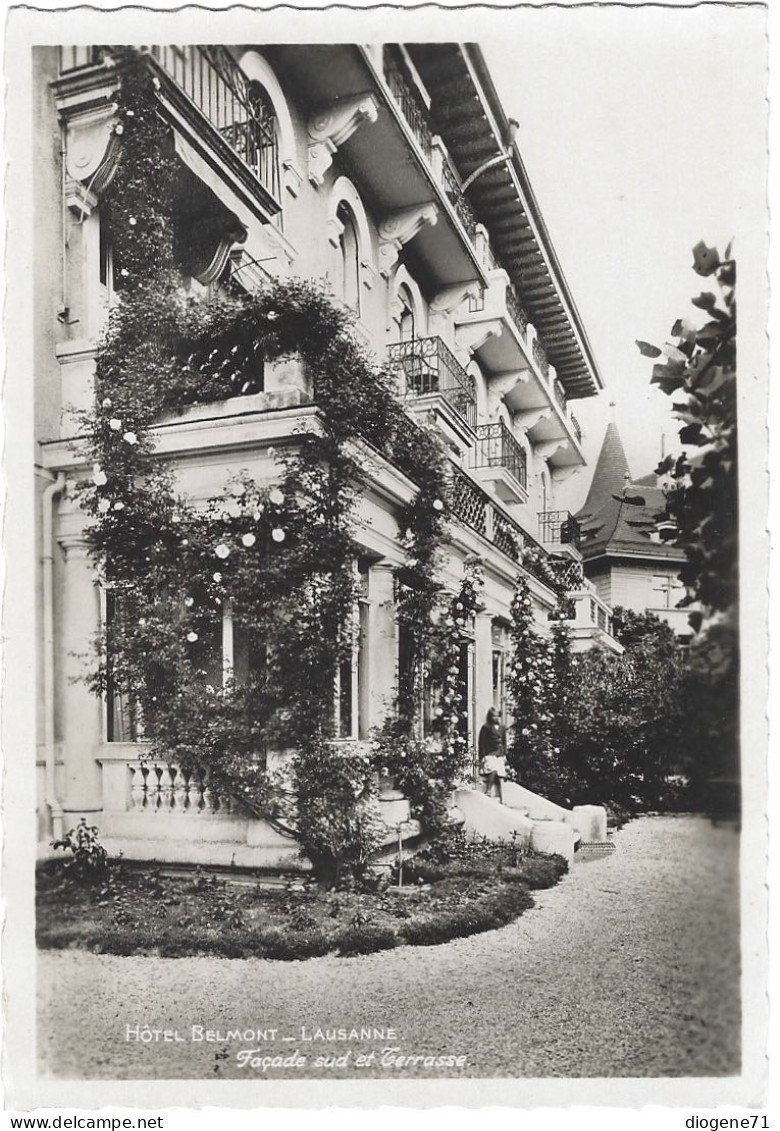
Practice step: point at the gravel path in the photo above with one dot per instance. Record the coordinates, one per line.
(629, 967)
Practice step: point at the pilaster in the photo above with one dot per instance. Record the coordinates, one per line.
(383, 643)
(82, 712)
(483, 667)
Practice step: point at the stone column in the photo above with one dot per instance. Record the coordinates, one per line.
(382, 643)
(82, 712)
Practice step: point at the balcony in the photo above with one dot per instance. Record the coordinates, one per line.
(415, 113)
(560, 395)
(451, 184)
(409, 102)
(237, 108)
(499, 459)
(540, 357)
(559, 529)
(224, 124)
(516, 312)
(430, 370)
(477, 510)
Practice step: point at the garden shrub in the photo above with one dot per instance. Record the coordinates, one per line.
(365, 939)
(89, 860)
(494, 910)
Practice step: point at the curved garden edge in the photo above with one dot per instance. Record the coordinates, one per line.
(146, 913)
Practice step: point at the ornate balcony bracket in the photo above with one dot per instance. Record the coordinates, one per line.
(447, 301)
(398, 229)
(499, 386)
(330, 127)
(561, 474)
(209, 241)
(472, 336)
(529, 420)
(92, 148)
(549, 448)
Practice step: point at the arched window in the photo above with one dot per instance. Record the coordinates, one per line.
(407, 330)
(263, 139)
(350, 257)
(544, 477)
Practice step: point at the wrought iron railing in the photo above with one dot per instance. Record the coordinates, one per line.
(497, 447)
(476, 509)
(516, 312)
(540, 357)
(238, 108)
(569, 572)
(558, 528)
(507, 536)
(428, 366)
(469, 502)
(455, 195)
(560, 395)
(408, 102)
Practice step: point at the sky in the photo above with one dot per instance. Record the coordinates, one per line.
(643, 131)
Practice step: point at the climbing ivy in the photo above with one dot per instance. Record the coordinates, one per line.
(278, 556)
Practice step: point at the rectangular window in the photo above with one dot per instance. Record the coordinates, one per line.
(223, 651)
(123, 715)
(351, 693)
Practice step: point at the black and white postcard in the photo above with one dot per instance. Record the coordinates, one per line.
(385, 610)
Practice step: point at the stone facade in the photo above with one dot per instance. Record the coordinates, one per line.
(356, 180)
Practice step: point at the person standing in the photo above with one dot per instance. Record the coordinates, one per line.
(492, 753)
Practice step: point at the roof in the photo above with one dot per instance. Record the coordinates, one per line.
(620, 513)
(472, 124)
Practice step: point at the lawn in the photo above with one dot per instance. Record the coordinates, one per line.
(460, 888)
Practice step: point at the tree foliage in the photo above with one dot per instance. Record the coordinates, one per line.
(700, 370)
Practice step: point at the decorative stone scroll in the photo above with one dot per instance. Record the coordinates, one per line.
(499, 385)
(91, 154)
(330, 127)
(561, 474)
(471, 336)
(528, 420)
(549, 448)
(398, 229)
(448, 300)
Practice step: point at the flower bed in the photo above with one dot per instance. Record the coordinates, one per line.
(150, 912)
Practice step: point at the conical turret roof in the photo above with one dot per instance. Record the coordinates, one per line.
(620, 514)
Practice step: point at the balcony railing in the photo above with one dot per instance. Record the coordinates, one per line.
(237, 107)
(497, 447)
(558, 528)
(457, 199)
(476, 509)
(560, 395)
(516, 312)
(409, 103)
(540, 357)
(430, 367)
(469, 502)
(576, 428)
